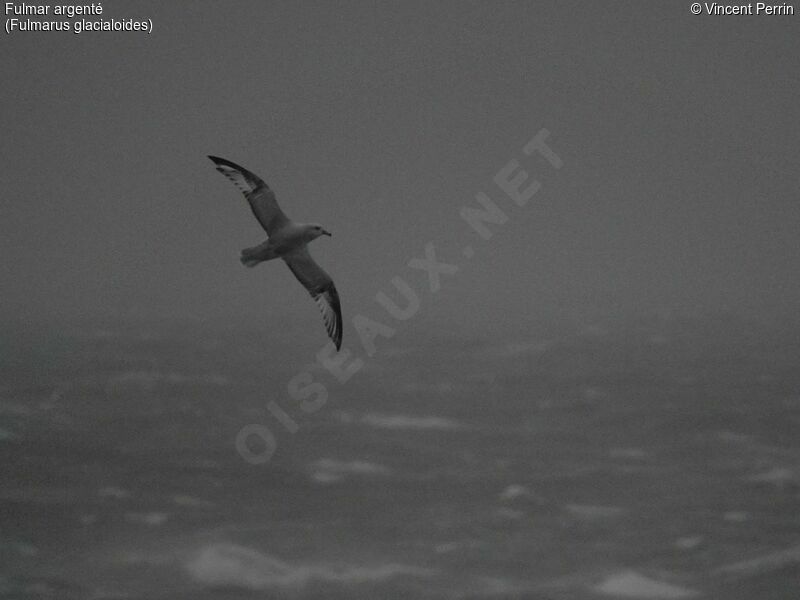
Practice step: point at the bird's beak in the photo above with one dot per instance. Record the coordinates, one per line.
(326, 232)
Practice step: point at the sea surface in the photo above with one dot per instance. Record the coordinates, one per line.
(655, 458)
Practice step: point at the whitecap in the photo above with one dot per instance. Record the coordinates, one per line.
(689, 542)
(778, 476)
(588, 511)
(352, 467)
(113, 492)
(736, 516)
(148, 380)
(733, 436)
(368, 574)
(446, 547)
(382, 421)
(592, 394)
(326, 478)
(225, 564)
(20, 547)
(151, 519)
(103, 334)
(595, 331)
(762, 564)
(515, 491)
(513, 349)
(439, 387)
(630, 584)
(628, 453)
(14, 408)
(508, 514)
(191, 502)
(498, 586)
(228, 564)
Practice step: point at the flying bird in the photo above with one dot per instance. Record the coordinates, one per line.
(287, 240)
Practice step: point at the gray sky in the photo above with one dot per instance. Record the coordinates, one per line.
(679, 137)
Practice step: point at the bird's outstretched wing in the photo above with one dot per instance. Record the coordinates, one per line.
(259, 195)
(320, 286)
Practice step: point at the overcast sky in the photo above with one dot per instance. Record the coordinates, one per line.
(678, 134)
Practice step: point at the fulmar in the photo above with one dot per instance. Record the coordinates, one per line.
(287, 240)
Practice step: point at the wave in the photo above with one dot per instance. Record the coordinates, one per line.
(151, 519)
(777, 476)
(382, 421)
(148, 380)
(226, 564)
(628, 453)
(590, 511)
(630, 584)
(513, 349)
(761, 564)
(328, 470)
(191, 502)
(113, 492)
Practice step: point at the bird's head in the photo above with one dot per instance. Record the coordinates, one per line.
(315, 230)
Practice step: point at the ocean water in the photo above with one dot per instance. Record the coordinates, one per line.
(651, 459)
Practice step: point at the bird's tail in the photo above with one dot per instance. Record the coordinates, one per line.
(249, 261)
(250, 257)
(257, 254)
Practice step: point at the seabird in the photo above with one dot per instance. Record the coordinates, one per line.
(287, 240)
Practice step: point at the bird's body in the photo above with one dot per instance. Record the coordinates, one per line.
(287, 240)
(292, 236)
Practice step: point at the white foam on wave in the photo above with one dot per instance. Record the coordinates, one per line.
(229, 564)
(332, 466)
(325, 477)
(508, 514)
(151, 519)
(761, 564)
(628, 453)
(590, 511)
(226, 564)
(14, 408)
(114, 492)
(514, 491)
(191, 502)
(630, 584)
(733, 436)
(736, 516)
(438, 387)
(329, 470)
(501, 587)
(382, 421)
(514, 349)
(688, 542)
(148, 380)
(453, 546)
(777, 476)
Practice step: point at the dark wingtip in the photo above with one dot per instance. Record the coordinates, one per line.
(338, 340)
(218, 160)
